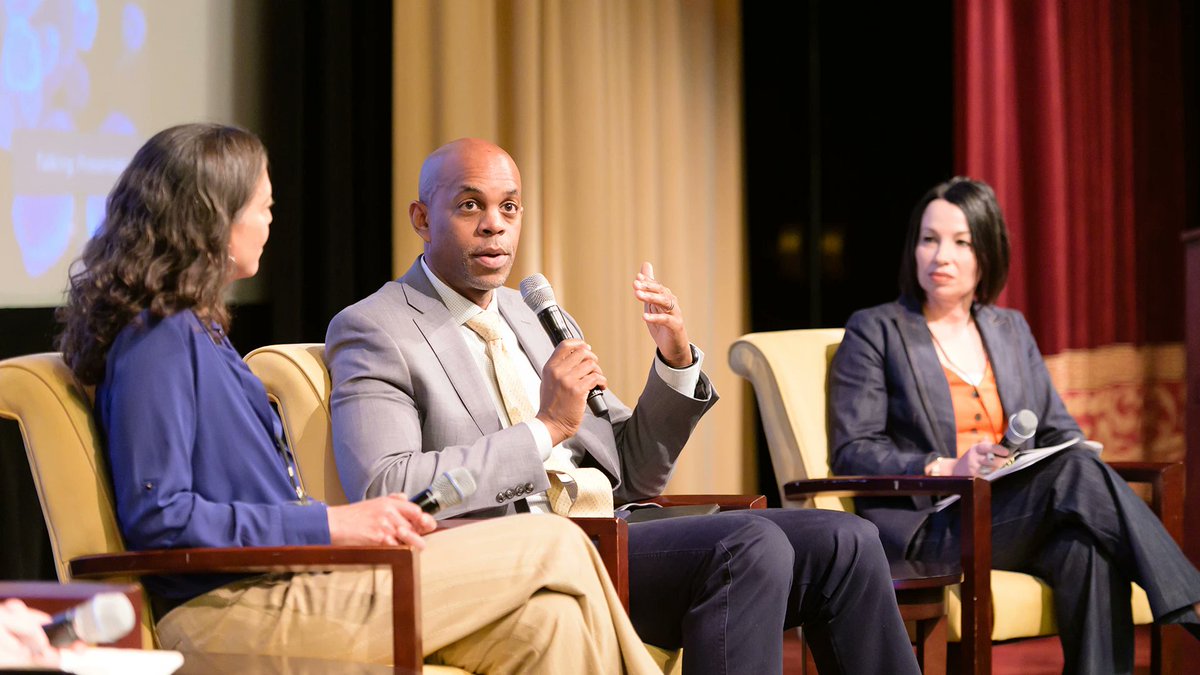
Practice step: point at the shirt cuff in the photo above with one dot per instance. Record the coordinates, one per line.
(305, 524)
(541, 436)
(682, 380)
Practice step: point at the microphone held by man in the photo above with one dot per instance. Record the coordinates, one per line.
(539, 297)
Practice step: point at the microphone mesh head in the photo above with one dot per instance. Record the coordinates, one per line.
(537, 292)
(1023, 424)
(452, 487)
(107, 617)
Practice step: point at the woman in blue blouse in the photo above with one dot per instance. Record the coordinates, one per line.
(196, 459)
(926, 385)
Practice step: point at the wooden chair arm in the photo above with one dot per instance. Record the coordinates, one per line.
(611, 537)
(403, 561)
(1166, 481)
(975, 541)
(726, 502)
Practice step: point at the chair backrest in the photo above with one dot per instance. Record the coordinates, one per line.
(298, 384)
(790, 373)
(66, 456)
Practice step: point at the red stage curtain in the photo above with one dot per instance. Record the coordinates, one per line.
(1073, 112)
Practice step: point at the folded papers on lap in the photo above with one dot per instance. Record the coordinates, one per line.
(1025, 460)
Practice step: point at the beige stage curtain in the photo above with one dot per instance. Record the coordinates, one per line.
(624, 117)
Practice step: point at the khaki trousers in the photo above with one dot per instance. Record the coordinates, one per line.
(525, 593)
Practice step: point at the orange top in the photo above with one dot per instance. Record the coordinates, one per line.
(978, 415)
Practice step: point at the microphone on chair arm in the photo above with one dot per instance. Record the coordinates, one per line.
(106, 617)
(539, 296)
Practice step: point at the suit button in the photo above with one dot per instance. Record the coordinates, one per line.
(500, 498)
(508, 493)
(519, 491)
(529, 487)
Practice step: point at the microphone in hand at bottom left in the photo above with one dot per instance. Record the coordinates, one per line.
(448, 489)
(106, 617)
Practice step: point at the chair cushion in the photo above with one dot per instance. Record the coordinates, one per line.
(1023, 606)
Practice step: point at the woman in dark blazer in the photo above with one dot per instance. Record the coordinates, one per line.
(927, 384)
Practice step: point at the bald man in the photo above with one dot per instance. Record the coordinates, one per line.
(418, 389)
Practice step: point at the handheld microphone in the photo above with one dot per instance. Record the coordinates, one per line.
(1021, 427)
(448, 489)
(538, 295)
(106, 617)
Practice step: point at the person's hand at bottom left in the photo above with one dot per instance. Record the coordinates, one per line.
(23, 642)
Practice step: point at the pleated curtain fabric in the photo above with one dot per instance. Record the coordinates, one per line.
(624, 117)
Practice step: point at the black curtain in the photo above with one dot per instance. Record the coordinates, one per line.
(327, 123)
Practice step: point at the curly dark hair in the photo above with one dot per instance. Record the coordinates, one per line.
(163, 245)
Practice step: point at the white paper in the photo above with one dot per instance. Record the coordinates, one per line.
(112, 661)
(1025, 460)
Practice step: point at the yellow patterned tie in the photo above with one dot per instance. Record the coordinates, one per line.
(574, 491)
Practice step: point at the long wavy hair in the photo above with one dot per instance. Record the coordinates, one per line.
(164, 243)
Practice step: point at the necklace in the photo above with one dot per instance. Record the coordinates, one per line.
(962, 374)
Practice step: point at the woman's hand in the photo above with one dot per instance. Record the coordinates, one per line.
(981, 460)
(383, 521)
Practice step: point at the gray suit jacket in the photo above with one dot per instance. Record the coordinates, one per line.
(409, 402)
(890, 411)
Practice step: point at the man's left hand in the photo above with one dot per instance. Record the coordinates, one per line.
(663, 317)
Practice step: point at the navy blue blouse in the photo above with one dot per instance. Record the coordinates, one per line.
(190, 437)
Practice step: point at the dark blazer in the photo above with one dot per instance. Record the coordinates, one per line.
(890, 411)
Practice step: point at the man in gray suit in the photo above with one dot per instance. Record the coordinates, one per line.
(416, 392)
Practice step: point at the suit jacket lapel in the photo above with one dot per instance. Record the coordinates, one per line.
(440, 331)
(931, 382)
(1001, 345)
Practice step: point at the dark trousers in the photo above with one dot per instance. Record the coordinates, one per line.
(1073, 522)
(724, 587)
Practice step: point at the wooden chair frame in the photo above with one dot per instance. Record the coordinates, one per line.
(1164, 479)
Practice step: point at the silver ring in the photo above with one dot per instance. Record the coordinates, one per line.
(985, 470)
(991, 457)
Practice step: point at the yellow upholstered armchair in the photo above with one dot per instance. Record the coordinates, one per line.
(789, 372)
(69, 470)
